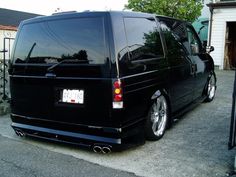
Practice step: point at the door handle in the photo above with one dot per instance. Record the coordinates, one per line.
(194, 68)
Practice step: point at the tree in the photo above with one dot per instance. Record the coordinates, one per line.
(182, 9)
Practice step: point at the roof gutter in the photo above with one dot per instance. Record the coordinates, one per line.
(210, 29)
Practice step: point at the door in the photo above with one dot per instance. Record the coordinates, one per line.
(230, 46)
(199, 61)
(61, 71)
(181, 73)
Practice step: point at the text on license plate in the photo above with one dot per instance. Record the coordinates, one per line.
(73, 96)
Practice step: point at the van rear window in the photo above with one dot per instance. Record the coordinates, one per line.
(53, 41)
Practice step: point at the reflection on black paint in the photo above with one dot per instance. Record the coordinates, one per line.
(81, 55)
(153, 44)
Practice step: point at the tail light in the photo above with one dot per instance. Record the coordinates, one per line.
(117, 95)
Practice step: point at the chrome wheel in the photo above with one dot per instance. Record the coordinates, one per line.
(159, 116)
(211, 88)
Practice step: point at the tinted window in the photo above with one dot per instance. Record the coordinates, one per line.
(52, 41)
(174, 46)
(178, 30)
(143, 38)
(175, 49)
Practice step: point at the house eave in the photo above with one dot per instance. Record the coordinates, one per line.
(10, 28)
(220, 5)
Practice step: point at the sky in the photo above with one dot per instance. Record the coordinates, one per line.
(47, 7)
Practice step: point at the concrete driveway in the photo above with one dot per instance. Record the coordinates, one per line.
(195, 146)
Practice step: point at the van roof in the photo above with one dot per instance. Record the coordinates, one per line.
(72, 14)
(169, 18)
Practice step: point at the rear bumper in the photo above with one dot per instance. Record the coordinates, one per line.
(82, 135)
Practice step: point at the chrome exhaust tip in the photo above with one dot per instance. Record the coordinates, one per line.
(106, 150)
(19, 133)
(97, 149)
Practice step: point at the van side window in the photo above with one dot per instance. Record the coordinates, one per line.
(143, 39)
(174, 47)
(178, 30)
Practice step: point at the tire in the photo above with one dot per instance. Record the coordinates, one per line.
(157, 119)
(211, 88)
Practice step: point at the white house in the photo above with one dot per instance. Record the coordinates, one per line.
(222, 33)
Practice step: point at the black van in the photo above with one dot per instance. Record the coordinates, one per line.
(105, 80)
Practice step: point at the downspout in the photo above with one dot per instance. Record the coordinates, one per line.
(210, 30)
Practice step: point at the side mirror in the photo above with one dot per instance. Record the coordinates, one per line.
(210, 49)
(194, 48)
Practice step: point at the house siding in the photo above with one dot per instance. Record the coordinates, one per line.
(220, 18)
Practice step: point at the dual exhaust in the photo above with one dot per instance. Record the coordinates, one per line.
(104, 149)
(20, 133)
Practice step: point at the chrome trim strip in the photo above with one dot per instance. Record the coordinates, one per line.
(45, 77)
(139, 74)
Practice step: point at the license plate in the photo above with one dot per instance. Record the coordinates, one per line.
(73, 96)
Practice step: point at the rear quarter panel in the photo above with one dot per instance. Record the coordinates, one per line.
(140, 78)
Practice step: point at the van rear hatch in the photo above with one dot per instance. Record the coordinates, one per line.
(61, 70)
